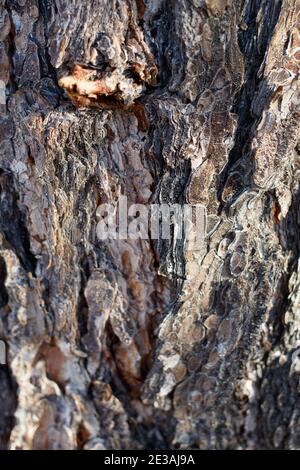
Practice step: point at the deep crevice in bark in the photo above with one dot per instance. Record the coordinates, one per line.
(13, 223)
(253, 45)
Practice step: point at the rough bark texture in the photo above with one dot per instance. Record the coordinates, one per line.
(127, 344)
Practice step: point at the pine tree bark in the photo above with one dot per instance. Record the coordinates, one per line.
(124, 344)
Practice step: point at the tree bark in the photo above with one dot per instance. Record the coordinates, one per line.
(130, 344)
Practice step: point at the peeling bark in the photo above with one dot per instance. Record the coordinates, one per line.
(124, 344)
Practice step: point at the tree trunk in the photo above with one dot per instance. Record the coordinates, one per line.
(129, 344)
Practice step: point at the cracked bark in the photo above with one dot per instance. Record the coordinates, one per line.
(126, 344)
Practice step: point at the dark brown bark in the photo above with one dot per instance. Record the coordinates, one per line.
(135, 344)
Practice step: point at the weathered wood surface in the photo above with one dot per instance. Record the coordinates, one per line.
(131, 344)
